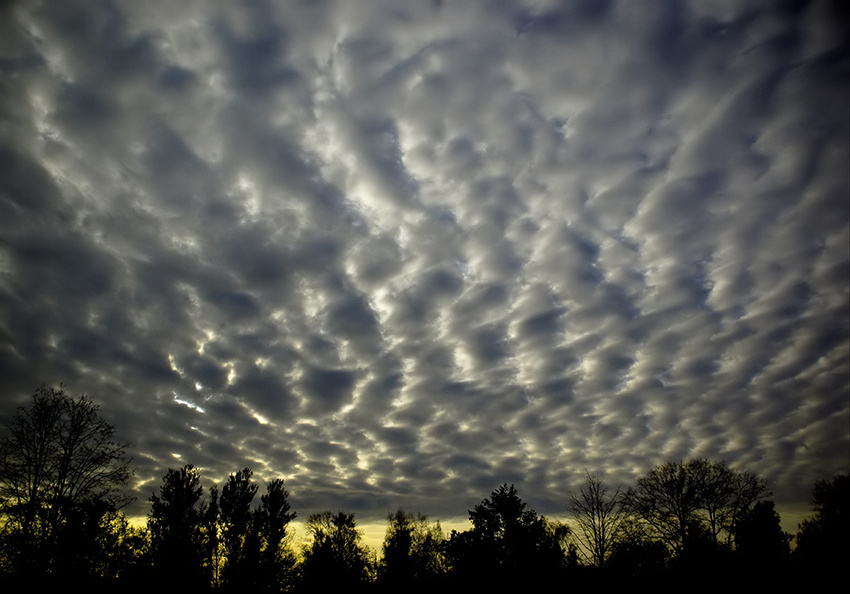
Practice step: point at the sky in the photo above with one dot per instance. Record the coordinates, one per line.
(398, 253)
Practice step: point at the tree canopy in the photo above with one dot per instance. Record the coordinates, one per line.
(176, 523)
(685, 504)
(508, 541)
(823, 541)
(413, 549)
(336, 557)
(58, 458)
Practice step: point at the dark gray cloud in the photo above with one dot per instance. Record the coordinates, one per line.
(400, 252)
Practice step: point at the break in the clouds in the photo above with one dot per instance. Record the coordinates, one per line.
(399, 252)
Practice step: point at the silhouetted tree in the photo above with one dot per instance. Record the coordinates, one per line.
(277, 559)
(238, 530)
(689, 505)
(125, 550)
(598, 516)
(210, 527)
(78, 543)
(726, 494)
(100, 548)
(666, 499)
(413, 550)
(508, 543)
(823, 542)
(60, 466)
(636, 555)
(336, 558)
(177, 528)
(760, 543)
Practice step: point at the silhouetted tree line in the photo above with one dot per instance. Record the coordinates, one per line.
(60, 519)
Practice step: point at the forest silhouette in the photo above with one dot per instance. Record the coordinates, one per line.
(62, 473)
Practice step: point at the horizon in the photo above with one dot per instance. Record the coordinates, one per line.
(373, 531)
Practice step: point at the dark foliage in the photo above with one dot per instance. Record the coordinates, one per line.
(276, 558)
(223, 542)
(823, 544)
(413, 551)
(637, 558)
(179, 531)
(239, 530)
(336, 559)
(761, 546)
(507, 543)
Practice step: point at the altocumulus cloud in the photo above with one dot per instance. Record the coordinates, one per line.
(400, 252)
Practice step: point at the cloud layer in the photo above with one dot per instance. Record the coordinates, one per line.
(399, 253)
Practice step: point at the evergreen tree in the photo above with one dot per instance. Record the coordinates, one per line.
(179, 534)
(508, 543)
(241, 554)
(277, 560)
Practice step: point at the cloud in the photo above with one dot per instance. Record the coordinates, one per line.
(400, 253)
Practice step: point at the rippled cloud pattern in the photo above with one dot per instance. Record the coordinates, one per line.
(399, 253)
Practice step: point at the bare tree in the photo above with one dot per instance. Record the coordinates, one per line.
(748, 488)
(597, 514)
(687, 502)
(667, 499)
(57, 455)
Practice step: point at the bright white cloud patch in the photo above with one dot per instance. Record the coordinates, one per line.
(401, 252)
